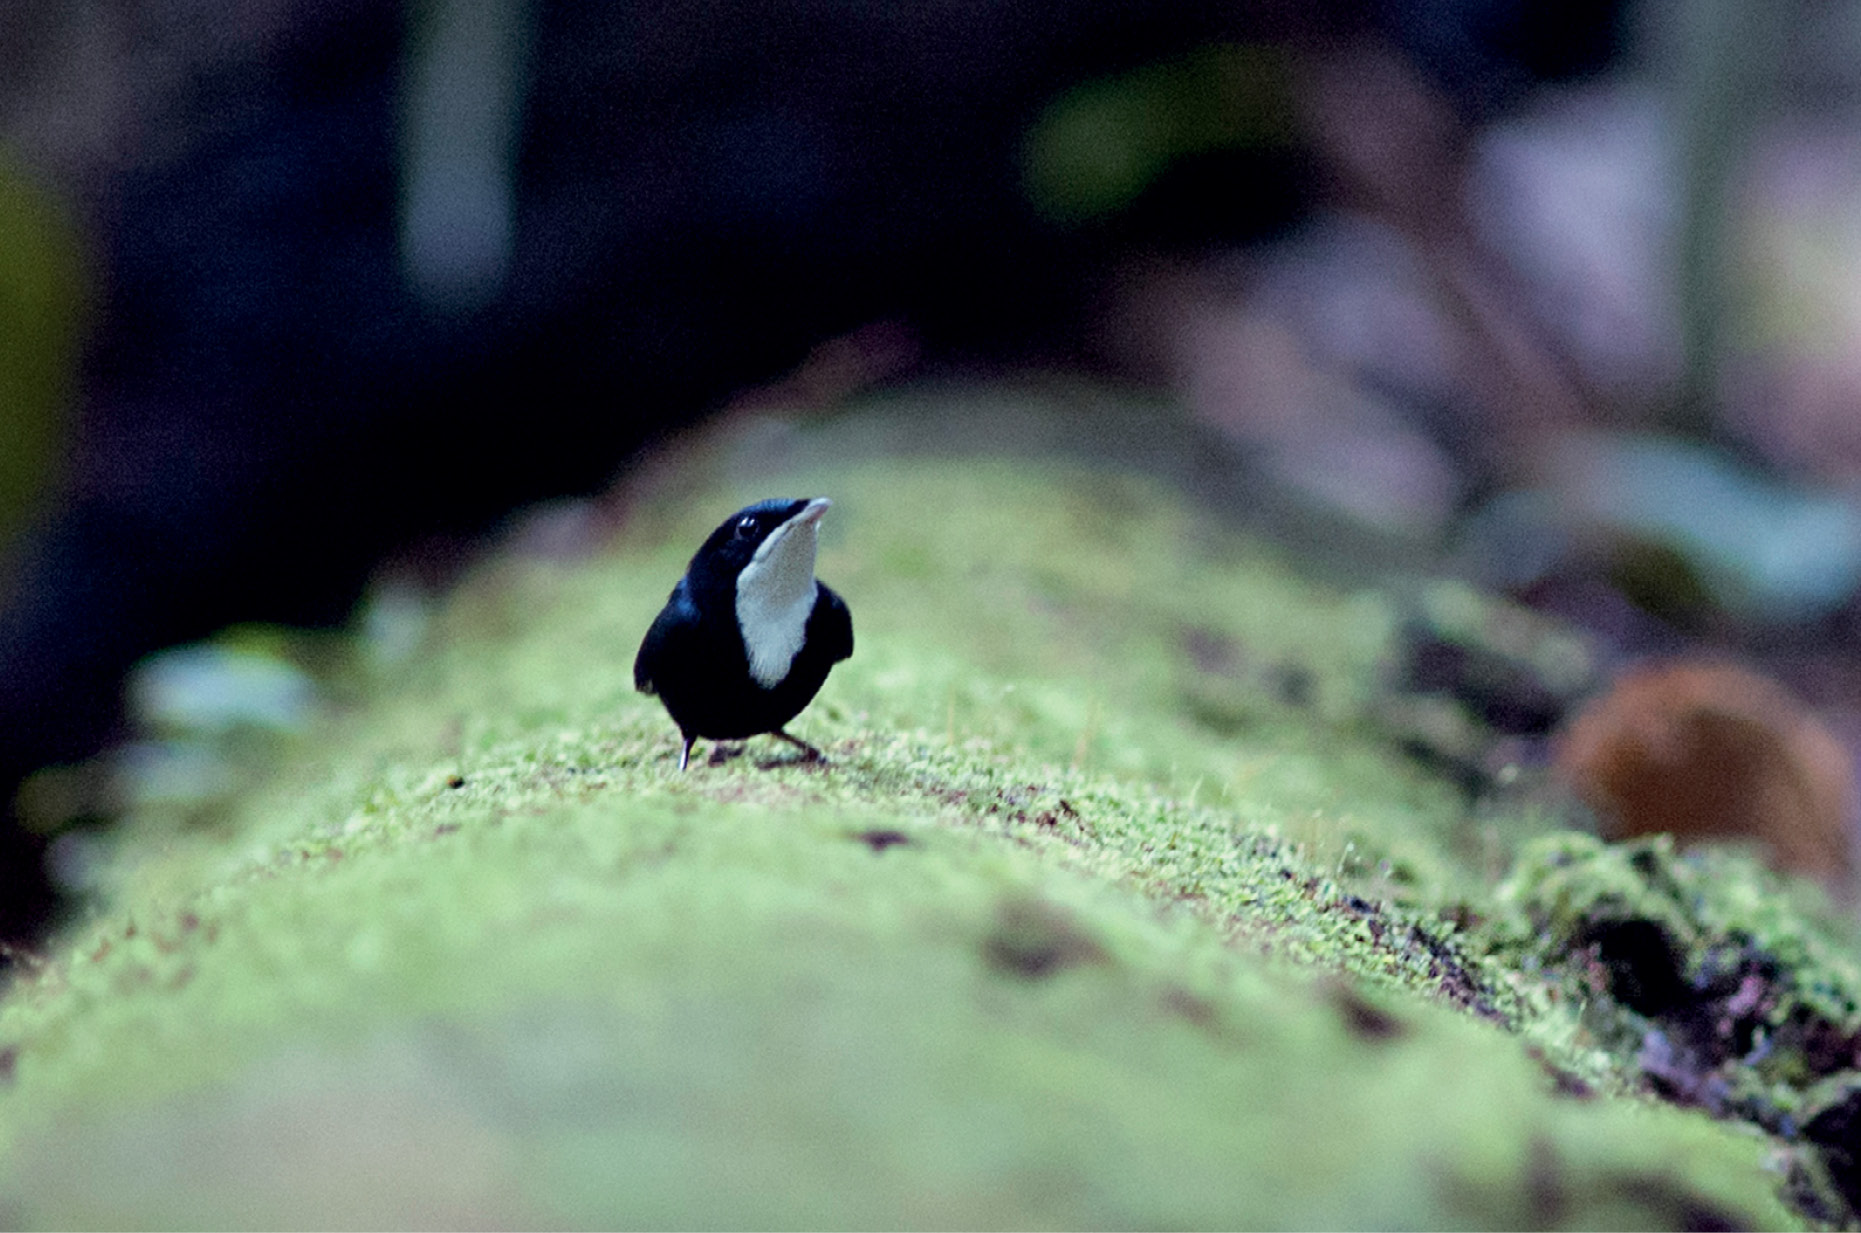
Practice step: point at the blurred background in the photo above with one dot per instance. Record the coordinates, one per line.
(300, 299)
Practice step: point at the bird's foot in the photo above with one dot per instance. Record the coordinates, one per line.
(809, 752)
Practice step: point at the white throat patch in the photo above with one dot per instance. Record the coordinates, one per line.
(775, 596)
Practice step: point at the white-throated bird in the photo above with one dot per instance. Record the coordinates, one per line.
(748, 634)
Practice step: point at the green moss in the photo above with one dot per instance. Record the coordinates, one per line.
(1090, 920)
(695, 1011)
(1701, 977)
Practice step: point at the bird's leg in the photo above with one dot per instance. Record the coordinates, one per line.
(684, 755)
(814, 755)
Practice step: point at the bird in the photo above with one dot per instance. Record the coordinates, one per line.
(748, 635)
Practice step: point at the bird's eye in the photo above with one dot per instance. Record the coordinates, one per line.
(745, 526)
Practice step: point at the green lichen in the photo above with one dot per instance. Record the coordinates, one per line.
(1112, 906)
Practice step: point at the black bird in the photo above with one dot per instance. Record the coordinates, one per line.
(748, 635)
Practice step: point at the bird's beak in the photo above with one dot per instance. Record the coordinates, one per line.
(813, 511)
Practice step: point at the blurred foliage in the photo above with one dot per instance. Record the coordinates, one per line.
(1727, 71)
(1099, 146)
(42, 299)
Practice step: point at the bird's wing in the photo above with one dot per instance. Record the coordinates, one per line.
(672, 627)
(831, 624)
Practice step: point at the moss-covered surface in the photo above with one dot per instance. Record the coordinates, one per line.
(1703, 979)
(1114, 906)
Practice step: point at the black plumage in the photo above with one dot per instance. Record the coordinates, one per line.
(748, 635)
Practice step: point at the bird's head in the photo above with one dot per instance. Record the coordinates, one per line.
(765, 548)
